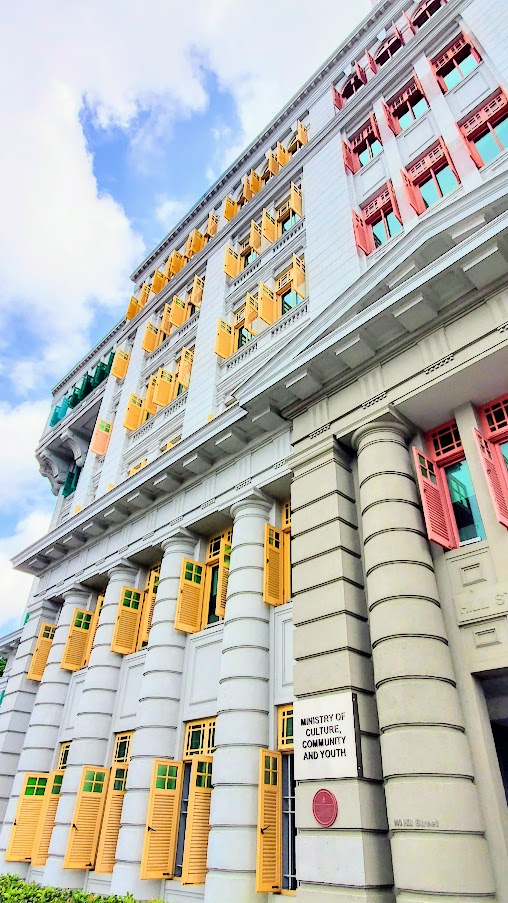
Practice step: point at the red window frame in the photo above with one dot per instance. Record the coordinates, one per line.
(493, 417)
(450, 54)
(478, 122)
(389, 47)
(402, 100)
(424, 10)
(444, 447)
(351, 149)
(385, 202)
(431, 161)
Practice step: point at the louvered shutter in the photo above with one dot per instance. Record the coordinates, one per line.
(413, 194)
(338, 102)
(150, 338)
(255, 182)
(231, 263)
(189, 605)
(302, 133)
(159, 281)
(246, 189)
(144, 293)
(110, 828)
(267, 304)
(408, 22)
(295, 199)
(269, 847)
(449, 160)
(41, 651)
(149, 404)
(77, 643)
(495, 473)
(101, 437)
(224, 339)
(273, 582)
(86, 820)
(361, 234)
(133, 309)
(28, 811)
(174, 263)
(255, 235)
(46, 823)
(161, 830)
(436, 503)
(374, 127)
(230, 208)
(128, 619)
(393, 201)
(268, 226)
(185, 368)
(222, 581)
(146, 618)
(134, 412)
(391, 120)
(211, 225)
(350, 159)
(163, 391)
(273, 165)
(196, 295)
(198, 821)
(282, 154)
(372, 63)
(251, 310)
(120, 363)
(286, 557)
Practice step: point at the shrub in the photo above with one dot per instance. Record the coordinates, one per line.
(15, 890)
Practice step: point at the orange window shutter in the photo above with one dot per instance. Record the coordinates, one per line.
(350, 159)
(189, 606)
(161, 830)
(93, 629)
(101, 437)
(120, 363)
(144, 293)
(159, 281)
(198, 821)
(222, 582)
(41, 651)
(231, 263)
(295, 199)
(282, 154)
(224, 339)
(255, 235)
(78, 638)
(255, 182)
(495, 474)
(163, 392)
(211, 225)
(46, 823)
(196, 295)
(185, 368)
(86, 821)
(230, 208)
(149, 402)
(302, 133)
(128, 619)
(362, 237)
(436, 503)
(413, 193)
(273, 164)
(197, 241)
(133, 309)
(286, 555)
(134, 412)
(174, 263)
(28, 810)
(273, 582)
(177, 311)
(246, 189)
(267, 304)
(297, 271)
(251, 310)
(149, 601)
(150, 338)
(268, 226)
(269, 847)
(110, 828)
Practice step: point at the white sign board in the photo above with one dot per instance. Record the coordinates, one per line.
(325, 737)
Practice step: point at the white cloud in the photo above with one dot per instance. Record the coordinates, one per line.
(21, 485)
(170, 211)
(16, 585)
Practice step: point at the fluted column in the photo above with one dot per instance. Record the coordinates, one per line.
(242, 714)
(157, 719)
(42, 734)
(437, 832)
(92, 726)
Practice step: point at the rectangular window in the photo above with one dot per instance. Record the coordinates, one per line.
(63, 755)
(199, 738)
(486, 131)
(430, 178)
(455, 62)
(464, 504)
(363, 146)
(378, 222)
(408, 106)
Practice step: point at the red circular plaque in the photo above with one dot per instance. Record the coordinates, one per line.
(324, 808)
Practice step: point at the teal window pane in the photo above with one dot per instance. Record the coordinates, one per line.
(501, 130)
(452, 78)
(465, 506)
(392, 224)
(419, 108)
(446, 180)
(406, 119)
(468, 64)
(488, 147)
(379, 233)
(504, 452)
(429, 192)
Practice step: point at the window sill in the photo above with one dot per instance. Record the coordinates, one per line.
(413, 125)
(359, 172)
(463, 81)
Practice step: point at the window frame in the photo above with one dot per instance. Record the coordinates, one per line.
(351, 149)
(481, 121)
(431, 161)
(423, 7)
(404, 98)
(378, 208)
(449, 55)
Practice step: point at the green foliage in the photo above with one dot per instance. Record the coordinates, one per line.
(3, 662)
(14, 890)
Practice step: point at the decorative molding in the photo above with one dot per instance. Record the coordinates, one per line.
(243, 484)
(291, 317)
(373, 400)
(502, 327)
(241, 354)
(440, 363)
(208, 502)
(282, 463)
(320, 430)
(89, 357)
(158, 418)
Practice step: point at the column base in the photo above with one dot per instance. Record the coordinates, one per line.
(316, 894)
(56, 876)
(13, 868)
(228, 887)
(126, 880)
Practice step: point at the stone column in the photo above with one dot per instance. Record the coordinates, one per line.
(242, 713)
(18, 701)
(157, 719)
(332, 653)
(42, 734)
(437, 832)
(92, 727)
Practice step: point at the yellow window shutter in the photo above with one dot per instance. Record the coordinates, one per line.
(174, 264)
(149, 404)
(134, 412)
(230, 208)
(222, 582)
(128, 619)
(224, 339)
(159, 846)
(177, 311)
(110, 829)
(267, 304)
(302, 134)
(255, 182)
(273, 163)
(269, 851)
(159, 281)
(283, 155)
(295, 199)
(246, 189)
(286, 555)
(46, 823)
(196, 294)
(251, 310)
(150, 337)
(198, 821)
(28, 810)
(185, 368)
(274, 567)
(101, 437)
(120, 363)
(255, 235)
(195, 242)
(146, 618)
(133, 309)
(41, 651)
(211, 225)
(269, 226)
(78, 640)
(189, 605)
(86, 821)
(144, 293)
(297, 272)
(163, 392)
(231, 263)
(93, 628)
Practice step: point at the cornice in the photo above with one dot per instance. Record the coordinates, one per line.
(88, 357)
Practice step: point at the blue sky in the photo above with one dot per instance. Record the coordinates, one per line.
(115, 126)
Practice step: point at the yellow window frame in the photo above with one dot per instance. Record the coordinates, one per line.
(204, 730)
(63, 755)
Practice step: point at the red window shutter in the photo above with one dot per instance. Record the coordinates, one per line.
(391, 120)
(393, 201)
(398, 34)
(360, 230)
(350, 159)
(413, 195)
(473, 151)
(337, 98)
(495, 473)
(372, 63)
(436, 502)
(360, 71)
(374, 127)
(418, 85)
(409, 24)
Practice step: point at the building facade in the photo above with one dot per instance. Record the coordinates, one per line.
(282, 488)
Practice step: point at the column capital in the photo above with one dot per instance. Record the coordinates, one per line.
(401, 427)
(122, 567)
(324, 447)
(178, 540)
(77, 589)
(256, 501)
